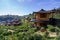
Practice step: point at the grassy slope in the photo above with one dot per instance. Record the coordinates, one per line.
(20, 35)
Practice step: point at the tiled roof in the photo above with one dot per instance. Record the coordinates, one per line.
(44, 11)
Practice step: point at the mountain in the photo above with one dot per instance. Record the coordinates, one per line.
(9, 17)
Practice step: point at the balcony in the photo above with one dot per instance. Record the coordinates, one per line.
(40, 21)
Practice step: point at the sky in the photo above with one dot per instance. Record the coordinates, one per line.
(24, 7)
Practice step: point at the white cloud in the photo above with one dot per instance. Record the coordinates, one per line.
(11, 13)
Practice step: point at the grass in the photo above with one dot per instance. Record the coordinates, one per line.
(28, 35)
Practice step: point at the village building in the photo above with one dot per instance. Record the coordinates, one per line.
(27, 19)
(42, 17)
(14, 22)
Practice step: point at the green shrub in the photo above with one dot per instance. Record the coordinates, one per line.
(7, 33)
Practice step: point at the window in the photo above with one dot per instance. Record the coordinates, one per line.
(43, 15)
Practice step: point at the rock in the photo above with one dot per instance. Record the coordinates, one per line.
(52, 34)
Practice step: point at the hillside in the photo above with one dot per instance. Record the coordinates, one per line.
(9, 17)
(25, 31)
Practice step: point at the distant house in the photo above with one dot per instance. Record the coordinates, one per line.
(27, 19)
(9, 19)
(15, 22)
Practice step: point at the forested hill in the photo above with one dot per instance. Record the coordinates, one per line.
(9, 17)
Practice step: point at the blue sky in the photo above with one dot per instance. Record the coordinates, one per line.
(24, 7)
